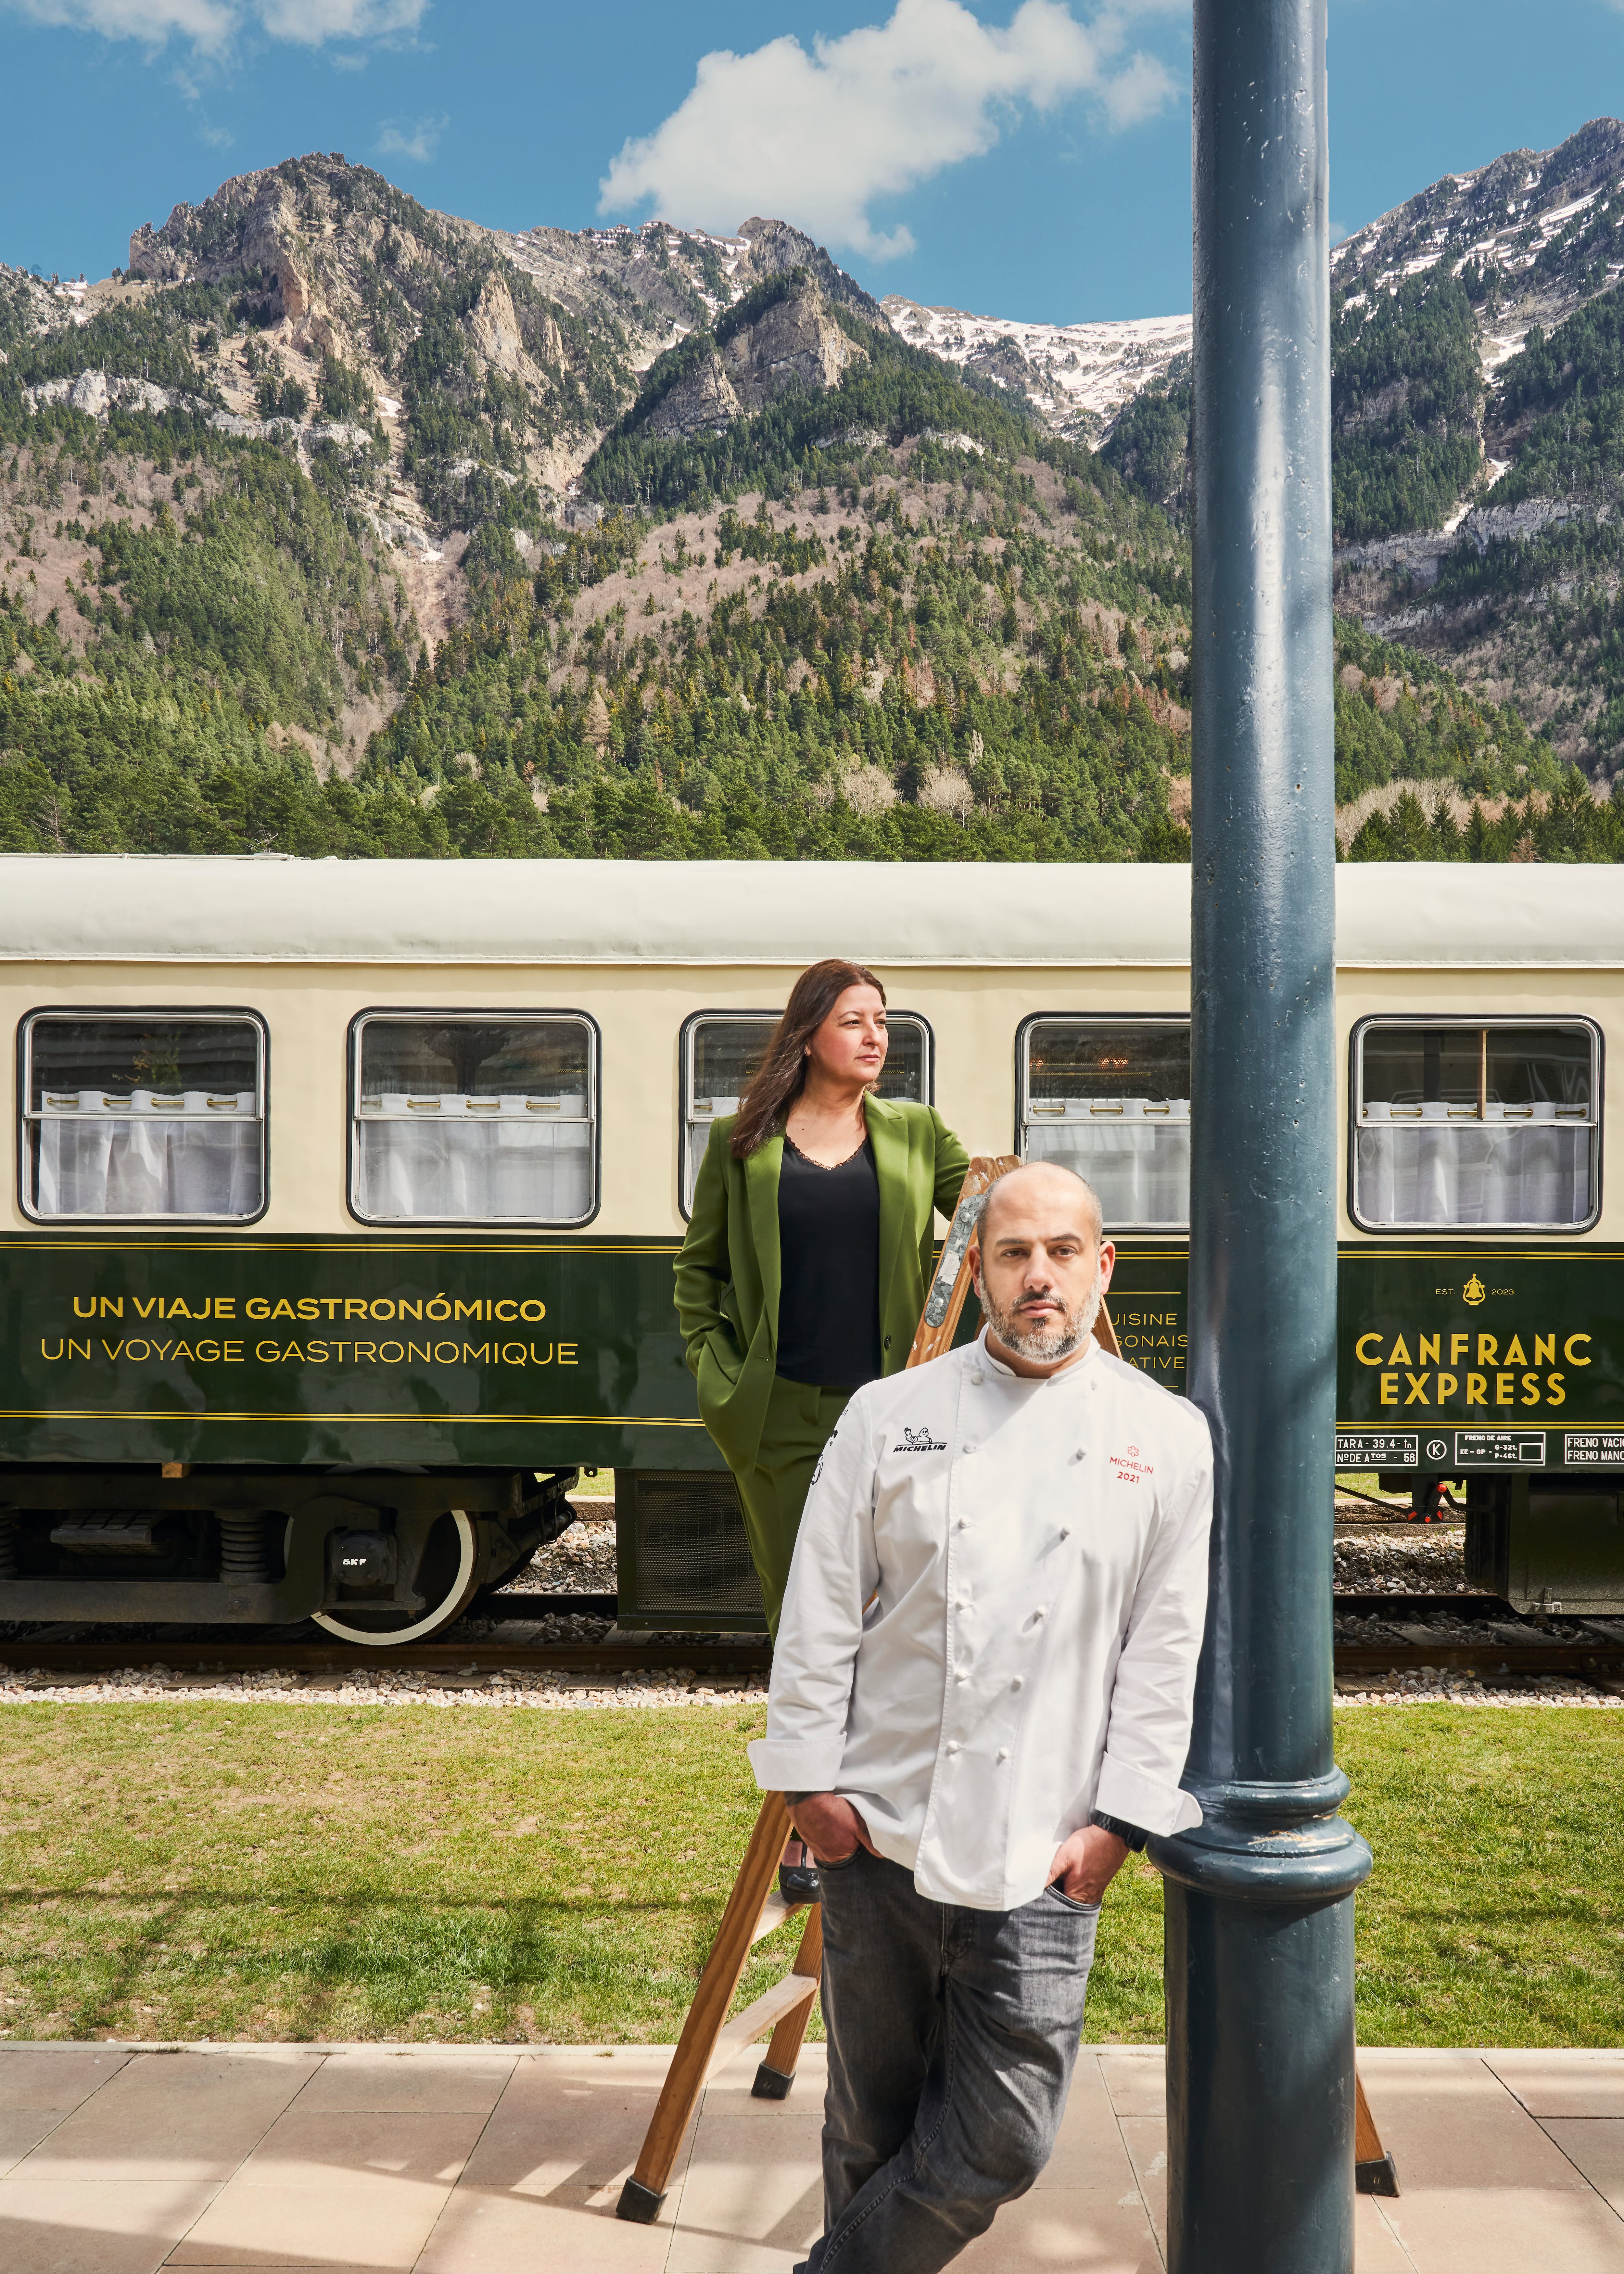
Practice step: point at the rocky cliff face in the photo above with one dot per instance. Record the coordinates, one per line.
(794, 346)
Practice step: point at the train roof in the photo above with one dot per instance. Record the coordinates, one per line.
(272, 909)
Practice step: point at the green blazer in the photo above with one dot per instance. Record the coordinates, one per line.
(728, 1270)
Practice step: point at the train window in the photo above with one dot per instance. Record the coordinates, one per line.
(1111, 1098)
(143, 1114)
(722, 1050)
(470, 1118)
(1459, 1122)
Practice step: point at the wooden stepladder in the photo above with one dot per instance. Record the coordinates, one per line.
(708, 2039)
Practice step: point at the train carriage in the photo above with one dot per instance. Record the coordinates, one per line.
(345, 1196)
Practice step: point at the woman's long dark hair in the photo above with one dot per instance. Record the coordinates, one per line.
(784, 1070)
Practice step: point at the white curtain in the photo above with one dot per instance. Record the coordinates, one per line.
(148, 1154)
(1439, 1163)
(459, 1159)
(1134, 1151)
(699, 1136)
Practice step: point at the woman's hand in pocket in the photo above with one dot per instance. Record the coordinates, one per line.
(831, 1829)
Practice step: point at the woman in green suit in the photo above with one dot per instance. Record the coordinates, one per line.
(807, 1258)
(810, 1249)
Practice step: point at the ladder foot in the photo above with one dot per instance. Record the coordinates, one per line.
(639, 2203)
(1376, 2177)
(771, 2083)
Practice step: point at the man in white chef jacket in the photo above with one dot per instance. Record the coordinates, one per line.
(981, 1703)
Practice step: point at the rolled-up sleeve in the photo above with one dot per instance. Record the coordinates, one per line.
(834, 1571)
(1147, 1735)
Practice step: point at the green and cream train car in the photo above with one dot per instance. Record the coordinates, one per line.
(345, 1197)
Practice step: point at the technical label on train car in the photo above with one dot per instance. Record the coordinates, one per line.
(1593, 1448)
(1499, 1449)
(1372, 1452)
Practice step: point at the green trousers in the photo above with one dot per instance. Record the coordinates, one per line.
(800, 1419)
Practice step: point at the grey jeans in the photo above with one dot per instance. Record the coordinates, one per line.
(953, 2036)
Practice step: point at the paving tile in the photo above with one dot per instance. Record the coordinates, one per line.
(1450, 2125)
(1376, 2248)
(1506, 2230)
(1136, 2078)
(1144, 2138)
(1066, 2231)
(730, 2090)
(753, 2197)
(1563, 2083)
(1089, 2154)
(1596, 2144)
(569, 2120)
(192, 2115)
(382, 2228)
(21, 2130)
(54, 2076)
(574, 2231)
(415, 2080)
(327, 2147)
(94, 2226)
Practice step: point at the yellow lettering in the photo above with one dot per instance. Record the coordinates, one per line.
(176, 1307)
(532, 1311)
(1555, 1395)
(161, 1350)
(183, 1350)
(1447, 1387)
(1417, 1389)
(267, 1353)
(1459, 1344)
(137, 1352)
(383, 1308)
(292, 1355)
(1544, 1350)
(1360, 1352)
(309, 1308)
(1505, 1387)
(1568, 1350)
(233, 1353)
(317, 1353)
(1399, 1355)
(474, 1310)
(421, 1351)
(84, 1310)
(284, 1309)
(472, 1351)
(51, 1356)
(1477, 1389)
(354, 1308)
(384, 1349)
(1488, 1349)
(112, 1306)
(408, 1309)
(1430, 1344)
(366, 1352)
(112, 1350)
(208, 1353)
(1530, 1389)
(566, 1353)
(225, 1307)
(257, 1307)
(153, 1303)
(447, 1353)
(506, 1309)
(1515, 1355)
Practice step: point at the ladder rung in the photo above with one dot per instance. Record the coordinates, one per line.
(760, 2016)
(775, 1910)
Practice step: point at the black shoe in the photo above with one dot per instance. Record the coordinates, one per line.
(798, 1882)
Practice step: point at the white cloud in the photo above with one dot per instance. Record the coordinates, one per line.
(212, 24)
(417, 138)
(818, 138)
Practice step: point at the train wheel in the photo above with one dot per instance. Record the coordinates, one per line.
(445, 1578)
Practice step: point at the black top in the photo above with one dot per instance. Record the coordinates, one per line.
(829, 1245)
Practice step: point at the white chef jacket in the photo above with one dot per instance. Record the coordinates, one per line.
(1032, 1559)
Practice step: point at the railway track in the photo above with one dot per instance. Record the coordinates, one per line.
(1410, 1632)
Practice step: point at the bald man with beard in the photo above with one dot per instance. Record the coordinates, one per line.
(979, 1705)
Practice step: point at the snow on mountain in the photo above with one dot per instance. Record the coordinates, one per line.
(1077, 377)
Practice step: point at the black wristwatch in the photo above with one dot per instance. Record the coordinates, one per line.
(1131, 1835)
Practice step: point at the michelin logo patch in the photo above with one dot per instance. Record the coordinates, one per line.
(919, 1441)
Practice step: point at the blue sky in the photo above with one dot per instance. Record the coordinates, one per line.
(1015, 157)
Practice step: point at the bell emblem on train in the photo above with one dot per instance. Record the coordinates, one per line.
(1474, 1290)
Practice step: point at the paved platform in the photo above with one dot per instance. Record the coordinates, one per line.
(378, 2159)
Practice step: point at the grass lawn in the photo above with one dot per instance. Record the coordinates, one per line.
(185, 1870)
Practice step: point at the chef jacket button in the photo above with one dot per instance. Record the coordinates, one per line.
(1017, 1683)
(977, 1380)
(1065, 1532)
(953, 1745)
(1003, 1752)
(1039, 1612)
(968, 1449)
(963, 1521)
(961, 1676)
